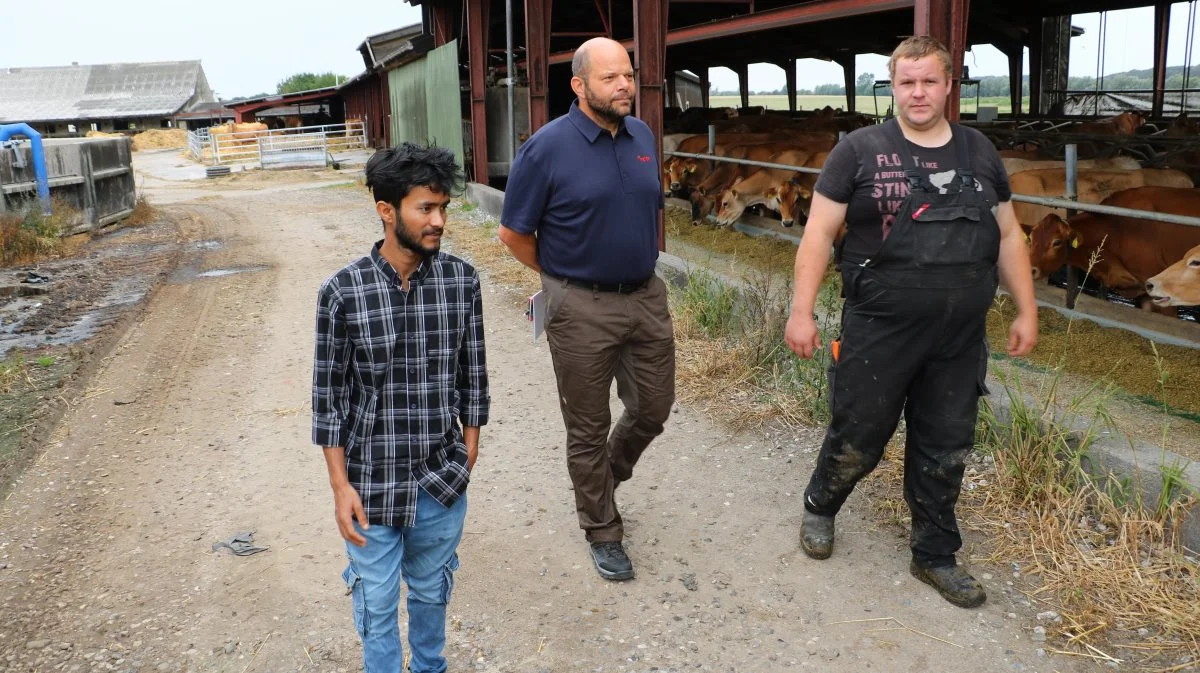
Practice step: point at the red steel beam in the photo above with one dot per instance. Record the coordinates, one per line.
(537, 49)
(1162, 26)
(945, 20)
(649, 62)
(774, 18)
(477, 36)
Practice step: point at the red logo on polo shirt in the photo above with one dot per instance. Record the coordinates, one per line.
(643, 158)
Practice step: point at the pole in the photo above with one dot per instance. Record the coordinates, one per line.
(512, 80)
(1072, 161)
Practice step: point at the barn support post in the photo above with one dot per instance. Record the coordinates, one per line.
(850, 77)
(1054, 61)
(537, 50)
(704, 86)
(1016, 77)
(649, 62)
(1162, 27)
(789, 72)
(946, 20)
(477, 36)
(743, 73)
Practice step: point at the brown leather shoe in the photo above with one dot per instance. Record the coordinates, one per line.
(953, 583)
(816, 536)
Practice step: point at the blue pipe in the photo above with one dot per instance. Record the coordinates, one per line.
(39, 159)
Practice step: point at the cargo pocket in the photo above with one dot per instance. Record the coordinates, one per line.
(448, 577)
(354, 587)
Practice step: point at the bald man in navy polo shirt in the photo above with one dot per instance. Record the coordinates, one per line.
(581, 208)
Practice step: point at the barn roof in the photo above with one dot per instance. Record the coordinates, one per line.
(79, 92)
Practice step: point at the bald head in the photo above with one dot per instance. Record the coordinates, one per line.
(597, 48)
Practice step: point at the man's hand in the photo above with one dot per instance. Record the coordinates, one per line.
(1023, 334)
(347, 506)
(802, 335)
(471, 439)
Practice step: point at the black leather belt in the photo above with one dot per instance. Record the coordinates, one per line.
(619, 288)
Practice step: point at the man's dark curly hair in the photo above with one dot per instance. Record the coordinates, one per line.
(393, 172)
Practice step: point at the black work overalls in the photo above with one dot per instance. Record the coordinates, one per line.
(913, 339)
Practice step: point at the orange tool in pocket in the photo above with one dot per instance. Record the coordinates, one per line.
(835, 347)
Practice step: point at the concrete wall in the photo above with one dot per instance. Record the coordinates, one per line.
(93, 176)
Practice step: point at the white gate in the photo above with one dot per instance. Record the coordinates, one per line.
(304, 146)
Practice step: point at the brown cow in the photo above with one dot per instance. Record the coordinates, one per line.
(781, 190)
(1093, 185)
(1130, 251)
(1124, 124)
(1178, 284)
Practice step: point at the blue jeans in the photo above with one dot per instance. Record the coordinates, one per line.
(425, 556)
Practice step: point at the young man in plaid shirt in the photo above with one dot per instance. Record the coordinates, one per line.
(400, 391)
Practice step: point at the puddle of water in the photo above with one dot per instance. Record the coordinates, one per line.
(217, 273)
(208, 245)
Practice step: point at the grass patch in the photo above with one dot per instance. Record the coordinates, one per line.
(731, 357)
(143, 213)
(28, 385)
(28, 234)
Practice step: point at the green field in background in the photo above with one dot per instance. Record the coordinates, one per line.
(865, 104)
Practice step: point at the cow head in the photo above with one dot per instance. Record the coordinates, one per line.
(1127, 123)
(1049, 243)
(789, 199)
(732, 204)
(1178, 284)
(679, 172)
(702, 204)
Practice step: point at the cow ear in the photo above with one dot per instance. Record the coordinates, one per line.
(805, 192)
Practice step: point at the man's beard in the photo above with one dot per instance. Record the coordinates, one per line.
(409, 242)
(603, 109)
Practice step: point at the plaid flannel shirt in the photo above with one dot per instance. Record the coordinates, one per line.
(394, 375)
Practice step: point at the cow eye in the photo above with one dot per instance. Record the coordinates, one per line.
(1194, 263)
(1057, 243)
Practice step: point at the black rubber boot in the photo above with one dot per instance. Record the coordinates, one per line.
(953, 583)
(816, 535)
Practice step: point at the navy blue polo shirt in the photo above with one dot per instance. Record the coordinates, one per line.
(591, 197)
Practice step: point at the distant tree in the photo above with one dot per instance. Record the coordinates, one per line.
(304, 81)
(862, 86)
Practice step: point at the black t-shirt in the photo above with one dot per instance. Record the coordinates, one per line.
(864, 170)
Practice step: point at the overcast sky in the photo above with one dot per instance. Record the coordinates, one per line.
(246, 48)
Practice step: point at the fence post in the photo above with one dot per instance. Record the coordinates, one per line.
(1072, 166)
(216, 147)
(258, 143)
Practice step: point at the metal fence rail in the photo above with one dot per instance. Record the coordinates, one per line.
(1052, 202)
(253, 146)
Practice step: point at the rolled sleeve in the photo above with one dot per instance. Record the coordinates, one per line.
(331, 359)
(472, 378)
(526, 193)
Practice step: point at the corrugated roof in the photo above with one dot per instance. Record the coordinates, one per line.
(65, 93)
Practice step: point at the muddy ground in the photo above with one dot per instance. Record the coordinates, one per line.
(191, 424)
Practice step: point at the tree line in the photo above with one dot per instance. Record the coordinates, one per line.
(991, 86)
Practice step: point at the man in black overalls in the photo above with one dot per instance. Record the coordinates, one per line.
(929, 233)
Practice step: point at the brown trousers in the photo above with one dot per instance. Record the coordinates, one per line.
(595, 337)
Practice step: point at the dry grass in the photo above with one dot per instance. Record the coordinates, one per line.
(143, 213)
(28, 235)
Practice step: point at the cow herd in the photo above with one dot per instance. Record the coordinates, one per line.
(1154, 264)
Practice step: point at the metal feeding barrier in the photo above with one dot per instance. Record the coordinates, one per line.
(1069, 202)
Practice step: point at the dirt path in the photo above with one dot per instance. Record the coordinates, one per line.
(196, 427)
